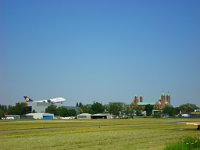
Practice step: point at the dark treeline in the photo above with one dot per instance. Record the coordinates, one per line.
(117, 108)
(18, 109)
(121, 109)
(22, 109)
(60, 111)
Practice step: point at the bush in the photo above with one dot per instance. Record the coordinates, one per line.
(176, 146)
(192, 142)
(188, 143)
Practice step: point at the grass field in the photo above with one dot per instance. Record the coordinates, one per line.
(140, 133)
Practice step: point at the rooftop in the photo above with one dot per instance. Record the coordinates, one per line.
(146, 103)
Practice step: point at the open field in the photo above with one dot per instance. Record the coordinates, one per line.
(140, 133)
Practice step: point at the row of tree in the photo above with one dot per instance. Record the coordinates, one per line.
(182, 109)
(18, 109)
(96, 107)
(118, 109)
(22, 109)
(60, 111)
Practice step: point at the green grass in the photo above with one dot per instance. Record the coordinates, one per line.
(140, 133)
(188, 143)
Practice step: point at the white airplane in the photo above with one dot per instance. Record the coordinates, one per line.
(51, 100)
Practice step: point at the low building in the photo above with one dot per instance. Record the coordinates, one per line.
(41, 115)
(84, 116)
(101, 116)
(195, 114)
(12, 117)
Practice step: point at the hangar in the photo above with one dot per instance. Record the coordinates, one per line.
(101, 116)
(84, 116)
(94, 116)
(41, 115)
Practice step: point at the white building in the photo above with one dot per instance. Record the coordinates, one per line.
(38, 106)
(41, 115)
(84, 116)
(101, 116)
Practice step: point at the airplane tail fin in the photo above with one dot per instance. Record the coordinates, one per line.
(28, 99)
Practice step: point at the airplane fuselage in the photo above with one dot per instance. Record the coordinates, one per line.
(51, 100)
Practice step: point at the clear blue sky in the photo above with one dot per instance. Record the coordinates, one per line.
(100, 50)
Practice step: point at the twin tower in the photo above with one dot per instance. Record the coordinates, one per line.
(165, 100)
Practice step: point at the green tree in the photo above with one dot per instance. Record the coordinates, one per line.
(129, 111)
(80, 104)
(4, 108)
(10, 110)
(157, 114)
(77, 104)
(169, 110)
(177, 110)
(72, 112)
(18, 109)
(115, 108)
(52, 109)
(138, 111)
(148, 108)
(188, 108)
(97, 108)
(1, 113)
(62, 111)
(85, 108)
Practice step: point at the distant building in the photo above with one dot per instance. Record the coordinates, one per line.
(38, 107)
(160, 104)
(163, 101)
(101, 116)
(195, 114)
(84, 116)
(94, 116)
(41, 115)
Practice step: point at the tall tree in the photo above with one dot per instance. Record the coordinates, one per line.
(62, 111)
(187, 108)
(18, 109)
(77, 104)
(1, 113)
(71, 112)
(138, 111)
(148, 108)
(129, 111)
(169, 110)
(52, 109)
(115, 108)
(97, 108)
(85, 108)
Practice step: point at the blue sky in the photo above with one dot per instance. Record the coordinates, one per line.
(100, 50)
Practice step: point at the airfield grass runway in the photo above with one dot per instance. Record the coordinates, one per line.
(119, 134)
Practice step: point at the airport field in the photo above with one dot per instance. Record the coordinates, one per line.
(138, 133)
